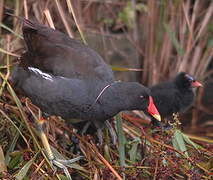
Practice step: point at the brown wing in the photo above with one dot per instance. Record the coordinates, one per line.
(55, 52)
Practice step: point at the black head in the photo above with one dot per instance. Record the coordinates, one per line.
(135, 96)
(186, 81)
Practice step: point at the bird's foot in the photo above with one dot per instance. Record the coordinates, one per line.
(55, 158)
(99, 131)
(64, 164)
(111, 132)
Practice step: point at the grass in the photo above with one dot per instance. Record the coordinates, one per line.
(167, 37)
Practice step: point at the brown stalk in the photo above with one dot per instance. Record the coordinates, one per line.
(63, 18)
(71, 10)
(49, 18)
(26, 9)
(106, 162)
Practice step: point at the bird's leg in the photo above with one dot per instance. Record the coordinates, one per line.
(99, 131)
(100, 135)
(112, 132)
(60, 163)
(39, 126)
(85, 128)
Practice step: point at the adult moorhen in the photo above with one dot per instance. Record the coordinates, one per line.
(66, 78)
(174, 96)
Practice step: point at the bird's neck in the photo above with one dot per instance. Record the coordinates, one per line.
(182, 84)
(184, 88)
(114, 98)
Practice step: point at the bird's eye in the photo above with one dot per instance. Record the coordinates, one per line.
(141, 97)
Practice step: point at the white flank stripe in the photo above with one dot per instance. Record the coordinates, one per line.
(42, 74)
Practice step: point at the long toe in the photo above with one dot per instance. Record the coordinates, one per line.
(63, 164)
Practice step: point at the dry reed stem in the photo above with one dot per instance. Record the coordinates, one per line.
(63, 18)
(49, 18)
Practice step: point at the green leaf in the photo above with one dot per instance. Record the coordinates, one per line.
(189, 141)
(15, 161)
(133, 151)
(121, 140)
(127, 16)
(178, 142)
(10, 30)
(23, 172)
(11, 148)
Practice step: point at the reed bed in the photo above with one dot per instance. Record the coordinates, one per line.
(165, 36)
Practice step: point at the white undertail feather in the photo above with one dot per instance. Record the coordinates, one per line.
(42, 74)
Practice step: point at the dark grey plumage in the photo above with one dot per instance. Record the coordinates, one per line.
(174, 96)
(64, 77)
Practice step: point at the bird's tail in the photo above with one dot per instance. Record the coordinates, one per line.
(27, 23)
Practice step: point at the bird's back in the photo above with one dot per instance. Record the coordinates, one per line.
(56, 53)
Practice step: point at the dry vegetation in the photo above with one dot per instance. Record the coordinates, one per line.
(165, 36)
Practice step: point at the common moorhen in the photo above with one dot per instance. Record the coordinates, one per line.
(174, 96)
(66, 78)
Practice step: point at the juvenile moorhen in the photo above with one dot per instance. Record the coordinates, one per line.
(174, 96)
(66, 78)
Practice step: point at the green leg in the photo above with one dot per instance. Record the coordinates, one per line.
(57, 163)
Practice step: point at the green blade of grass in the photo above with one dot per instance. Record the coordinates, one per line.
(189, 141)
(16, 160)
(18, 129)
(10, 30)
(133, 151)
(11, 148)
(23, 172)
(121, 140)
